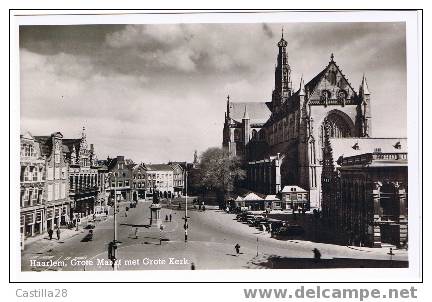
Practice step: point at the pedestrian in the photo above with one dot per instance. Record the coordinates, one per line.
(192, 266)
(237, 248)
(58, 233)
(170, 217)
(317, 255)
(50, 233)
(136, 233)
(166, 217)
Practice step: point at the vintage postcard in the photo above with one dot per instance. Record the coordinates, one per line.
(277, 141)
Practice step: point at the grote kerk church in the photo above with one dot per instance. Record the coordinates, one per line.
(282, 141)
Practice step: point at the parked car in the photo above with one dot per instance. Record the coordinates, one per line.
(258, 220)
(289, 230)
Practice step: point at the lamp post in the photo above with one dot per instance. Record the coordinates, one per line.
(186, 226)
(113, 245)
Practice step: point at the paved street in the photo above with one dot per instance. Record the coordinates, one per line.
(212, 235)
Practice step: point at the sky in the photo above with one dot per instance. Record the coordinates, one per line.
(156, 93)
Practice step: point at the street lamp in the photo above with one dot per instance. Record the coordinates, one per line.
(113, 245)
(186, 226)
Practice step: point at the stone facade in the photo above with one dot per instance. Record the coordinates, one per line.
(365, 191)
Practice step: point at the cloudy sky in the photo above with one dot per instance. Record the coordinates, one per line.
(158, 92)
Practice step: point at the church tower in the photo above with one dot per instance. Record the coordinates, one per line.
(283, 84)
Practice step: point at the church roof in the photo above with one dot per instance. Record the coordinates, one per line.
(346, 147)
(258, 112)
(313, 83)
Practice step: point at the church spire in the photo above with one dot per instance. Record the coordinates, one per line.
(245, 115)
(283, 84)
(364, 89)
(302, 91)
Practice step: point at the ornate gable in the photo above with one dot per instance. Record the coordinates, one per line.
(331, 87)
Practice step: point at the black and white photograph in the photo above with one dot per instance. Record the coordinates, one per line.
(208, 146)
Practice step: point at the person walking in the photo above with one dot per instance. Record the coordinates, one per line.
(170, 217)
(317, 255)
(192, 266)
(50, 233)
(136, 233)
(58, 233)
(237, 248)
(166, 217)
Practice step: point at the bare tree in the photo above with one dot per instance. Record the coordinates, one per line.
(220, 171)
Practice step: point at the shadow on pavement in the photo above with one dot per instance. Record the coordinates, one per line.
(277, 262)
(136, 225)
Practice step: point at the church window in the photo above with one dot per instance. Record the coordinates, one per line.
(254, 134)
(336, 126)
(237, 135)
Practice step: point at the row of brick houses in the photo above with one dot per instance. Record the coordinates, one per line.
(62, 180)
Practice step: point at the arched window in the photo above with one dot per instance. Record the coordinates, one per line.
(254, 134)
(336, 126)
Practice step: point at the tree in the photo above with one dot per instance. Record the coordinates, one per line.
(219, 171)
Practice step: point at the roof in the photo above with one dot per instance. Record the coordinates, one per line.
(159, 167)
(346, 147)
(290, 189)
(271, 197)
(258, 112)
(45, 143)
(252, 196)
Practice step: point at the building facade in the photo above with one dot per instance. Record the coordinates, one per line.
(295, 198)
(83, 176)
(45, 202)
(160, 179)
(32, 184)
(289, 128)
(365, 190)
(139, 182)
(120, 177)
(179, 171)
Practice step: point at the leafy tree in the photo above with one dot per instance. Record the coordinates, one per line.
(219, 171)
